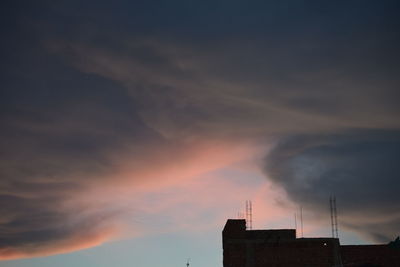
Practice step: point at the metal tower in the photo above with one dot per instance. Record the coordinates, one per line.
(334, 223)
(249, 215)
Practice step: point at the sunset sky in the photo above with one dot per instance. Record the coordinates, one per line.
(132, 130)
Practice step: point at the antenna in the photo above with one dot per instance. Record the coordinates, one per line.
(331, 211)
(301, 220)
(249, 215)
(187, 262)
(334, 224)
(335, 214)
(240, 215)
(295, 223)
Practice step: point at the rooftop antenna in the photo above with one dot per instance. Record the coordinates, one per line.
(332, 202)
(332, 221)
(301, 221)
(240, 215)
(336, 224)
(249, 215)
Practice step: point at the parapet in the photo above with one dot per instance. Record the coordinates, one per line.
(236, 229)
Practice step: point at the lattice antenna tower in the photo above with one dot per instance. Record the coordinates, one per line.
(249, 215)
(334, 223)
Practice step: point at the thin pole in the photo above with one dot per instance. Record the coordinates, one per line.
(332, 220)
(301, 221)
(251, 214)
(334, 210)
(295, 223)
(247, 214)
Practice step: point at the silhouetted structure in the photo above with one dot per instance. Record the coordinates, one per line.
(332, 202)
(262, 248)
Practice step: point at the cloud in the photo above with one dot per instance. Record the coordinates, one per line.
(63, 136)
(83, 239)
(218, 88)
(360, 167)
(95, 109)
(71, 167)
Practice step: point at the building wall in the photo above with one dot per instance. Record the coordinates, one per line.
(261, 248)
(370, 255)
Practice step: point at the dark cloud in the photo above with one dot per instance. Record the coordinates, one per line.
(59, 128)
(361, 168)
(36, 222)
(84, 85)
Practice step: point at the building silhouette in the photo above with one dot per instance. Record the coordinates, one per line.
(273, 248)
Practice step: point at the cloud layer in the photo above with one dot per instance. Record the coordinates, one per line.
(101, 104)
(361, 168)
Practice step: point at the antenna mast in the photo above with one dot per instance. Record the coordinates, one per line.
(249, 215)
(301, 220)
(295, 223)
(187, 263)
(335, 213)
(240, 215)
(334, 224)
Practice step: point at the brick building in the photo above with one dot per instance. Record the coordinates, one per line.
(262, 248)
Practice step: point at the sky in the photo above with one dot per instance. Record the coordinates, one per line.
(132, 130)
